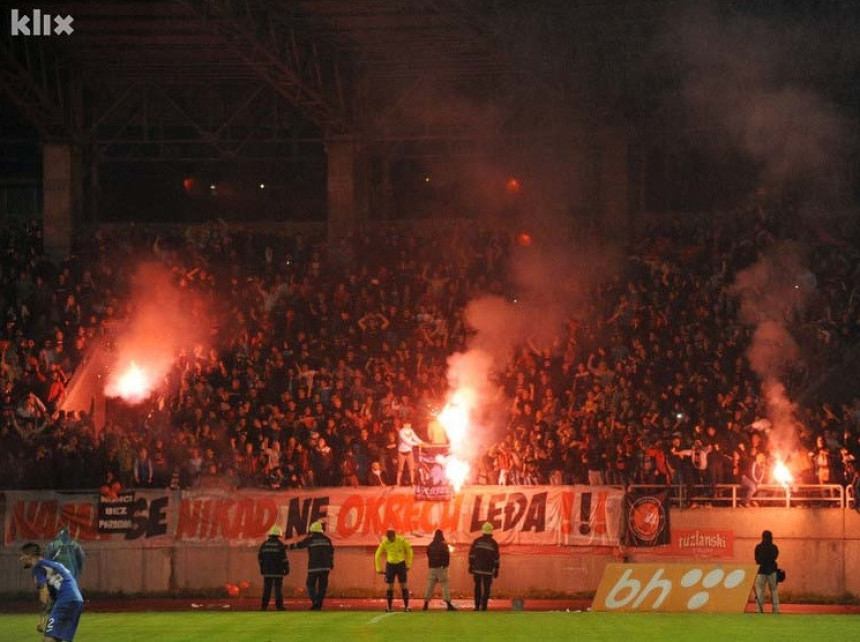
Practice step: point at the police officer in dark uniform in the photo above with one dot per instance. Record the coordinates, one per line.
(484, 565)
(320, 563)
(274, 565)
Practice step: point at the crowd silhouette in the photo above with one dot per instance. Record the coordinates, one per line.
(318, 354)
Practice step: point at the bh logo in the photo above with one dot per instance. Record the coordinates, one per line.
(694, 585)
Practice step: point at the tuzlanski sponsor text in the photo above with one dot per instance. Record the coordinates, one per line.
(698, 539)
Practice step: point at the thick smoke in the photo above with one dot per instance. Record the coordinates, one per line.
(753, 84)
(774, 289)
(163, 321)
(553, 278)
(772, 293)
(749, 79)
(553, 272)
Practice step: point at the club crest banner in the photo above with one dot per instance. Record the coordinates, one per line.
(647, 518)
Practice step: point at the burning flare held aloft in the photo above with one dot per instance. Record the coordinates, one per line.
(781, 474)
(456, 470)
(131, 383)
(455, 419)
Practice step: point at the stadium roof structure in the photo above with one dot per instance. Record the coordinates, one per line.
(216, 79)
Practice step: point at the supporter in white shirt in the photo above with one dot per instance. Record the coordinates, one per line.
(406, 441)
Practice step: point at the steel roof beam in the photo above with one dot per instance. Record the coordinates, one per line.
(151, 120)
(281, 54)
(39, 88)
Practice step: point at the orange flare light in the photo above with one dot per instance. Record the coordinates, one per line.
(781, 473)
(456, 470)
(455, 420)
(132, 384)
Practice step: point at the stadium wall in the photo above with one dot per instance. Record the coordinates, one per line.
(819, 548)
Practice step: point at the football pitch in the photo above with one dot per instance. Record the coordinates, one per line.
(369, 626)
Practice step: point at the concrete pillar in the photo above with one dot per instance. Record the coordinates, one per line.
(342, 187)
(61, 195)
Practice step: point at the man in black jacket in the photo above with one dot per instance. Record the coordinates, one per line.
(484, 565)
(766, 553)
(320, 563)
(274, 565)
(438, 559)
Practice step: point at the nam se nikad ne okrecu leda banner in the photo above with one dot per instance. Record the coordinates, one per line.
(531, 515)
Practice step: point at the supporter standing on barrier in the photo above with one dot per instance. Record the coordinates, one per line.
(62, 622)
(398, 561)
(766, 553)
(438, 560)
(406, 441)
(320, 563)
(484, 565)
(274, 565)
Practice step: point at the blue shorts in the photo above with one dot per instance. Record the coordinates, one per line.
(395, 570)
(63, 620)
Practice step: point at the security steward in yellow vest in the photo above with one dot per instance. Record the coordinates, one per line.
(398, 560)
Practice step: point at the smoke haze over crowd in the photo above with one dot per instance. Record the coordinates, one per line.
(164, 319)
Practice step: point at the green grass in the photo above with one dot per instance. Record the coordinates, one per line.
(464, 626)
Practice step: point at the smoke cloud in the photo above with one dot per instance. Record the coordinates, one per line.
(772, 293)
(751, 83)
(553, 278)
(163, 321)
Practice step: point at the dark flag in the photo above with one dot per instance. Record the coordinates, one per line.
(647, 518)
(432, 484)
(116, 514)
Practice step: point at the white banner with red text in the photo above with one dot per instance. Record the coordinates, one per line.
(529, 515)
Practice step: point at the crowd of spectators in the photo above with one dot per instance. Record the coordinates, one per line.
(319, 354)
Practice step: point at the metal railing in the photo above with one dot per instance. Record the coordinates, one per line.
(773, 495)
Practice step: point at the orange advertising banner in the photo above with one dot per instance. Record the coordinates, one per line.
(679, 588)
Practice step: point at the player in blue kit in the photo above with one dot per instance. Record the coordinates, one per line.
(62, 621)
